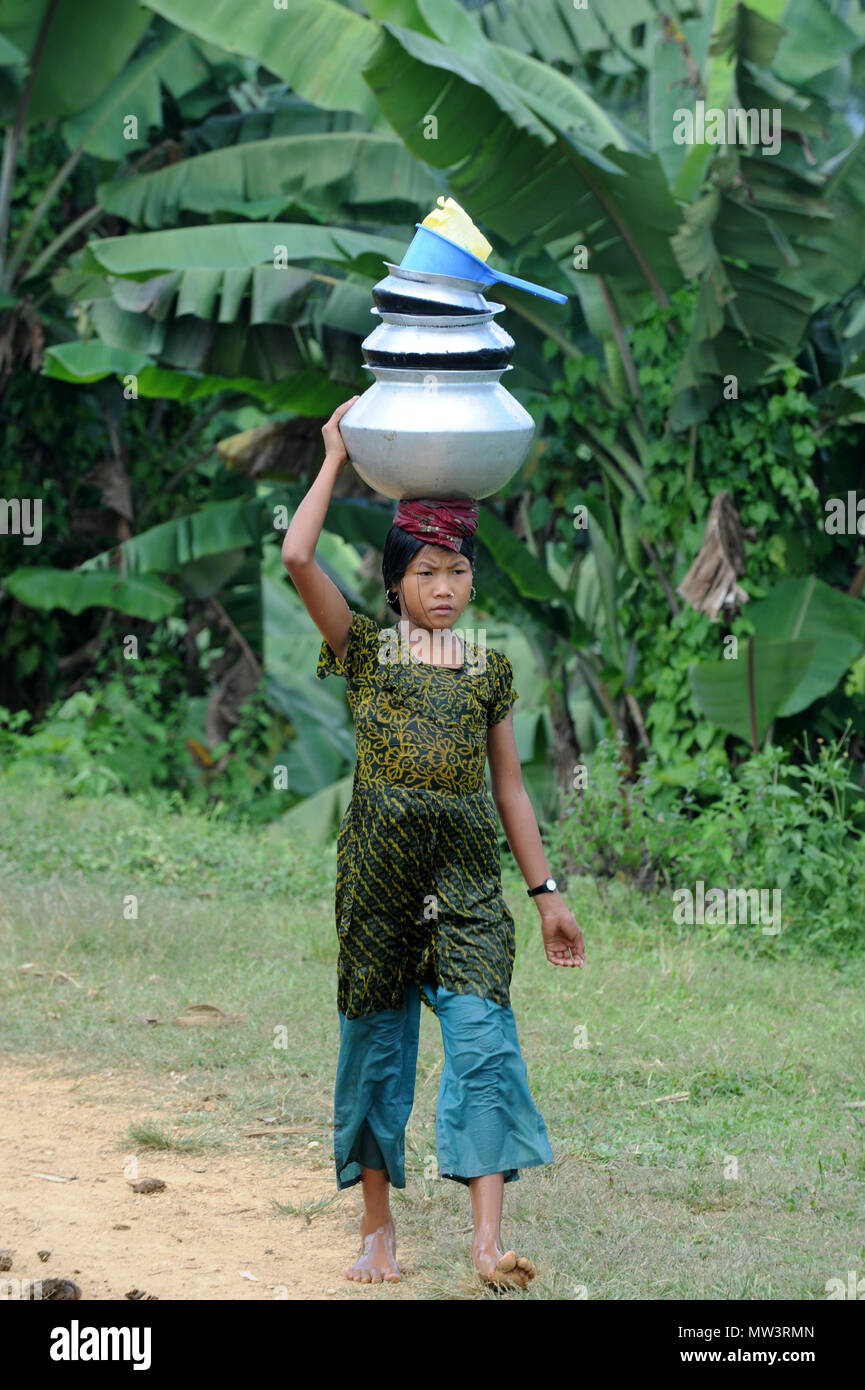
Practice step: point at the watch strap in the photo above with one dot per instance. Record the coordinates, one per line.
(543, 887)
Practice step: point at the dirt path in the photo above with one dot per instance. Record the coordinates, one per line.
(193, 1240)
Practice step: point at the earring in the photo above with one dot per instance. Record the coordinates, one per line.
(472, 594)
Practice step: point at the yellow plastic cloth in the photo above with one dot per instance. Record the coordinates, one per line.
(452, 221)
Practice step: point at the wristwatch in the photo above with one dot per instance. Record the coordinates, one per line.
(549, 885)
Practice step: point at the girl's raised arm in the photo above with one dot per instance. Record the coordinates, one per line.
(322, 599)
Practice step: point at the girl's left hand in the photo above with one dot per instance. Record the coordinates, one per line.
(563, 940)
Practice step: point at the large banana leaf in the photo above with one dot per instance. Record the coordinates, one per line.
(617, 39)
(524, 177)
(198, 345)
(308, 392)
(166, 548)
(810, 609)
(238, 524)
(603, 544)
(336, 177)
(847, 397)
(211, 299)
(211, 574)
(529, 579)
(621, 39)
(86, 47)
(236, 246)
(174, 65)
(142, 596)
(745, 695)
(13, 62)
(227, 323)
(285, 114)
(317, 46)
(558, 99)
(674, 53)
(798, 229)
(200, 553)
(835, 252)
(83, 362)
(528, 572)
(815, 40)
(311, 763)
(239, 246)
(358, 519)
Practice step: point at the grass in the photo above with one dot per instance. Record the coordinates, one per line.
(153, 1136)
(698, 1101)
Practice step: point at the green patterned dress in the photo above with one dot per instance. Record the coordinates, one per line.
(418, 884)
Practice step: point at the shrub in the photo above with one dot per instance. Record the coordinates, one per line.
(766, 824)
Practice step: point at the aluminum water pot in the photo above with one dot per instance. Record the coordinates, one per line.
(418, 433)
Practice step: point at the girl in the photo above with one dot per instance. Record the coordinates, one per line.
(419, 907)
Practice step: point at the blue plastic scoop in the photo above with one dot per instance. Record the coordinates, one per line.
(438, 255)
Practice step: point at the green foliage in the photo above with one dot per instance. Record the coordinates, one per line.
(744, 695)
(44, 151)
(54, 436)
(109, 742)
(653, 215)
(140, 732)
(766, 824)
(771, 450)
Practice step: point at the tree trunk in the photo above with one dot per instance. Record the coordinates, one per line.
(566, 745)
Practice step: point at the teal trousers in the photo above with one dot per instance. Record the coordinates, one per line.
(486, 1121)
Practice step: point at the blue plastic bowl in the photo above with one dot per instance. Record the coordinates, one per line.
(435, 254)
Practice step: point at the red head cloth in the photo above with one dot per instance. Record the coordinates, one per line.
(436, 522)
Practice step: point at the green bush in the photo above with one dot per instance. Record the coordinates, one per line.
(765, 824)
(136, 732)
(773, 450)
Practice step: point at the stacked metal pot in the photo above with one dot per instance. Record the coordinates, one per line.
(437, 422)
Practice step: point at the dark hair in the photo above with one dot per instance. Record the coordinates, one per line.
(400, 549)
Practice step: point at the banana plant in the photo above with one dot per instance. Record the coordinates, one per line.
(87, 69)
(806, 637)
(649, 212)
(209, 301)
(435, 94)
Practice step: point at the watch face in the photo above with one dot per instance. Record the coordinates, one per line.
(551, 885)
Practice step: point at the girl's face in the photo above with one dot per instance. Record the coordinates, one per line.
(435, 587)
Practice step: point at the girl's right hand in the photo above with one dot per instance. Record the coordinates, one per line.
(334, 443)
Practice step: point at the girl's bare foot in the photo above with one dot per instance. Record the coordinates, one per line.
(502, 1268)
(377, 1261)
